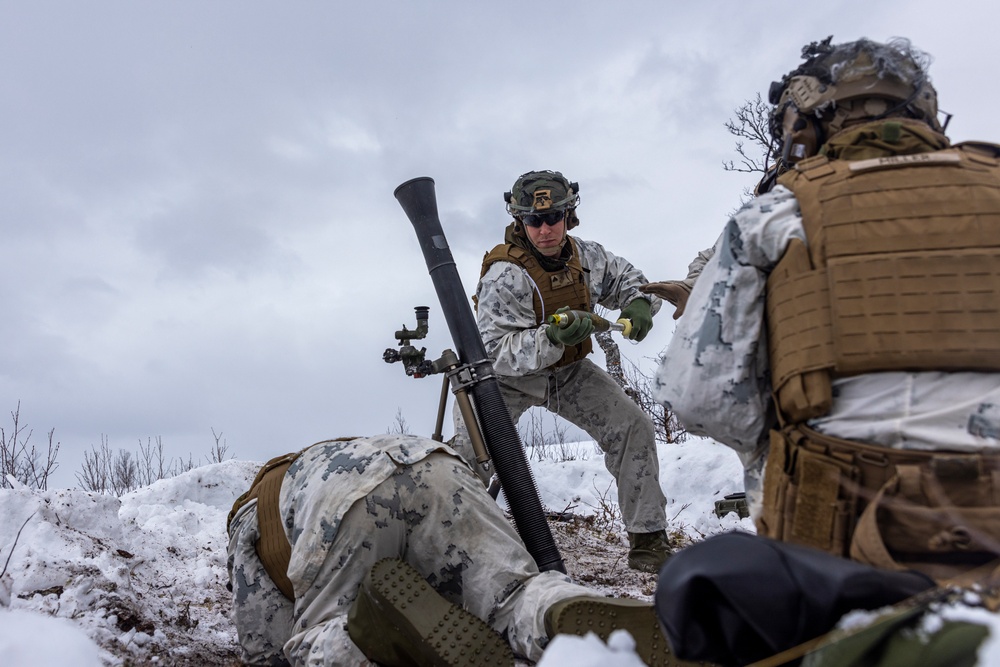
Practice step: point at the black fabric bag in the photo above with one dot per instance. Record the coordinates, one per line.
(737, 598)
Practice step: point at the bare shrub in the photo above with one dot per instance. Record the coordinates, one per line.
(95, 470)
(21, 460)
(551, 443)
(152, 466)
(218, 453)
(119, 472)
(107, 471)
(607, 514)
(533, 435)
(399, 425)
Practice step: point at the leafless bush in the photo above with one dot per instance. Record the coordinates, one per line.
(182, 466)
(550, 443)
(117, 473)
(152, 466)
(21, 460)
(533, 435)
(640, 389)
(105, 471)
(607, 514)
(218, 453)
(399, 425)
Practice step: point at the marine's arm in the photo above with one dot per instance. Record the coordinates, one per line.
(677, 292)
(697, 264)
(715, 374)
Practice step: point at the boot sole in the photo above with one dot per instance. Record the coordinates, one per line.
(642, 566)
(437, 632)
(604, 616)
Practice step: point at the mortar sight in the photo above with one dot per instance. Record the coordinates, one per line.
(405, 335)
(413, 359)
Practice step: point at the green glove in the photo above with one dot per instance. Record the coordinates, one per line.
(574, 332)
(642, 320)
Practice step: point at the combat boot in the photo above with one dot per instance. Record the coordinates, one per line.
(399, 620)
(602, 616)
(648, 551)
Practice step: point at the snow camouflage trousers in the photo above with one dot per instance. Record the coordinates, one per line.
(434, 513)
(585, 395)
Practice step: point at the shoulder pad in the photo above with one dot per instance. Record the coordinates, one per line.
(810, 168)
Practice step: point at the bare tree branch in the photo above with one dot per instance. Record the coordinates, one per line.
(20, 459)
(218, 453)
(751, 125)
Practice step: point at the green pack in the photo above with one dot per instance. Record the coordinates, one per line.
(895, 640)
(734, 502)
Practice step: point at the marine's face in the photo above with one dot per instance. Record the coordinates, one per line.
(545, 233)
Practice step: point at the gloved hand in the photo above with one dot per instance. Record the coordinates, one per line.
(575, 332)
(642, 319)
(674, 291)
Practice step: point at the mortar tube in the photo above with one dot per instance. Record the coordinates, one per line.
(417, 197)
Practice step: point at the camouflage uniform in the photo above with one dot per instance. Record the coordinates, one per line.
(348, 504)
(579, 392)
(715, 375)
(697, 265)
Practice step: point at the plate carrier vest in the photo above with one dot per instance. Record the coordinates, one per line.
(553, 289)
(901, 273)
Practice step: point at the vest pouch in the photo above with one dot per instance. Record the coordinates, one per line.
(777, 481)
(810, 497)
(553, 289)
(941, 518)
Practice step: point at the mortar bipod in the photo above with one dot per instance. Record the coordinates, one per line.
(461, 377)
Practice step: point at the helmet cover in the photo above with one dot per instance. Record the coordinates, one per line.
(851, 82)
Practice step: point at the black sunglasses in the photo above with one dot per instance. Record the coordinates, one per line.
(538, 219)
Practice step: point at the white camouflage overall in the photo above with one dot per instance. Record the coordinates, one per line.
(581, 392)
(346, 505)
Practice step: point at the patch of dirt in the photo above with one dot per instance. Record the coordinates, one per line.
(598, 558)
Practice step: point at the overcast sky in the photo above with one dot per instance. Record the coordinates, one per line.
(196, 198)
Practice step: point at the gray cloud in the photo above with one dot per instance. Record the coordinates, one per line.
(196, 199)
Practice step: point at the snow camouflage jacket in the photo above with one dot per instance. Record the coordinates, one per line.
(718, 357)
(361, 465)
(408, 483)
(506, 314)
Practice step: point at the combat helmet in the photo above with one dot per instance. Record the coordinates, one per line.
(844, 84)
(540, 192)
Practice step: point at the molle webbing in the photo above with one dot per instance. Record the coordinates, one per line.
(554, 289)
(902, 272)
(935, 511)
(272, 547)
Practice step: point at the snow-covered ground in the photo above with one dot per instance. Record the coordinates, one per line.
(94, 580)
